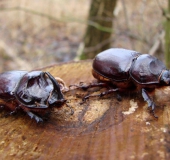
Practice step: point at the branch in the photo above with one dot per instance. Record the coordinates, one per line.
(164, 12)
(157, 43)
(66, 20)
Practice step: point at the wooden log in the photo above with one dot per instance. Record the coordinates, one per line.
(101, 128)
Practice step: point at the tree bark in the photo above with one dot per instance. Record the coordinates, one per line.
(167, 36)
(97, 36)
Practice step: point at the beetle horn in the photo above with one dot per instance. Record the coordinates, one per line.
(165, 77)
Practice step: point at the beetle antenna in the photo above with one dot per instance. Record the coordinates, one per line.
(99, 95)
(83, 86)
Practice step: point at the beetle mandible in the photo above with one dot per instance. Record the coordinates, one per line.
(123, 69)
(34, 92)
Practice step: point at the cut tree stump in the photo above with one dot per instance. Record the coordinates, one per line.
(101, 128)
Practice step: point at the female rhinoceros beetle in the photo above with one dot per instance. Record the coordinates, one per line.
(123, 69)
(34, 92)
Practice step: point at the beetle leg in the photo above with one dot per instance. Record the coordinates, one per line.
(14, 111)
(108, 92)
(91, 85)
(101, 94)
(119, 98)
(146, 97)
(32, 115)
(149, 101)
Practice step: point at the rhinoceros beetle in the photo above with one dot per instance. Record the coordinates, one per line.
(123, 69)
(34, 92)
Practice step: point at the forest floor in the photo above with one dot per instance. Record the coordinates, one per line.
(36, 34)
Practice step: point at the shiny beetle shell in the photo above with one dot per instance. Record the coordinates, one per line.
(34, 91)
(120, 65)
(114, 63)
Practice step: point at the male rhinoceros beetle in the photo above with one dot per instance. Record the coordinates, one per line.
(34, 92)
(126, 69)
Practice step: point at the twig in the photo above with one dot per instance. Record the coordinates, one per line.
(133, 36)
(88, 22)
(98, 46)
(157, 43)
(101, 44)
(164, 13)
(125, 14)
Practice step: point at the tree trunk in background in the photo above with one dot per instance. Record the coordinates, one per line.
(167, 36)
(99, 30)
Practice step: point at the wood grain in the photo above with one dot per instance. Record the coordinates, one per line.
(101, 128)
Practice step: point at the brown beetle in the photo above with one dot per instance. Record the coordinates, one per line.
(34, 92)
(126, 69)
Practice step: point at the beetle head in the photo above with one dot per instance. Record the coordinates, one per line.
(165, 77)
(39, 89)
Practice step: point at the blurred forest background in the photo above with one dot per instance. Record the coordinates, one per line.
(38, 33)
